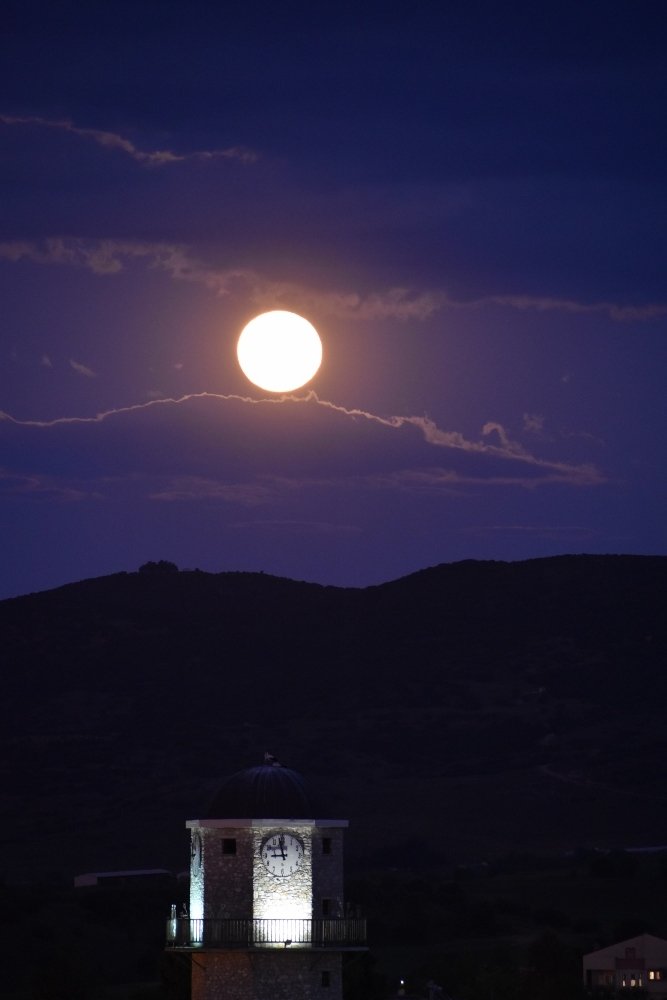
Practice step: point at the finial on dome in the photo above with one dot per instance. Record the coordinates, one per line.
(270, 760)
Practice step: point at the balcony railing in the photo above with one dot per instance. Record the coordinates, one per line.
(186, 932)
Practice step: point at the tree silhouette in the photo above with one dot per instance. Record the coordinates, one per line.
(163, 566)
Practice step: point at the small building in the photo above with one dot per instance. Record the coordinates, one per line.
(638, 963)
(123, 878)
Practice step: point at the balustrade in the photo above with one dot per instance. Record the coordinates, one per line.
(188, 932)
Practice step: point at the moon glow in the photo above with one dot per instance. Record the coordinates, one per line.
(279, 351)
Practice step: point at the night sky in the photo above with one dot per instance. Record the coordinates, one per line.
(467, 200)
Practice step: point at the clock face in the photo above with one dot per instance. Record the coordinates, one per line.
(282, 854)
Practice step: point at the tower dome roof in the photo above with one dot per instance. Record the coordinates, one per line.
(270, 791)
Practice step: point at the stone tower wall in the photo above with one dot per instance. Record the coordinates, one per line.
(281, 975)
(328, 870)
(228, 877)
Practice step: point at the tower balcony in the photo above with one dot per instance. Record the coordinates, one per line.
(340, 934)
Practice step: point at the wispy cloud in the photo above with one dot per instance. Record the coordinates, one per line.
(434, 481)
(104, 415)
(394, 303)
(614, 310)
(438, 480)
(503, 449)
(189, 488)
(116, 142)
(41, 486)
(82, 369)
(533, 423)
(107, 257)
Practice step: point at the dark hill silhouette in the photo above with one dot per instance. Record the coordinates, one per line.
(460, 712)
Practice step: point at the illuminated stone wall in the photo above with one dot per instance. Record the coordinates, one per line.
(288, 898)
(227, 885)
(266, 975)
(222, 886)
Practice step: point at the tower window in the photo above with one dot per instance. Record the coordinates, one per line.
(326, 845)
(326, 978)
(229, 845)
(326, 907)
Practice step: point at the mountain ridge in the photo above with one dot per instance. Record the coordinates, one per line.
(510, 705)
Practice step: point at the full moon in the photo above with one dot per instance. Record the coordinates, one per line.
(279, 351)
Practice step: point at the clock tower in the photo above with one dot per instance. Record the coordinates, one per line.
(267, 919)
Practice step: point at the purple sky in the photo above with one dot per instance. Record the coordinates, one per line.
(467, 200)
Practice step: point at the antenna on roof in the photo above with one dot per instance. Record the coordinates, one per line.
(271, 760)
